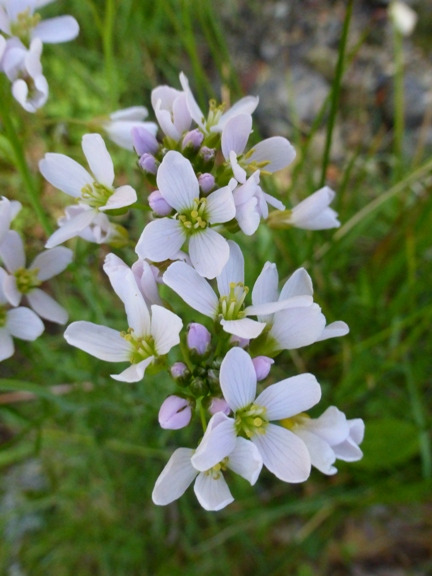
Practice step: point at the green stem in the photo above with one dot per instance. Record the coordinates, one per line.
(399, 121)
(336, 90)
(20, 161)
(107, 39)
(202, 416)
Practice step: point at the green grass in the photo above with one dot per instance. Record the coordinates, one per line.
(100, 450)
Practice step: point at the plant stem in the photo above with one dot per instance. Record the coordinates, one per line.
(107, 39)
(336, 90)
(399, 106)
(20, 161)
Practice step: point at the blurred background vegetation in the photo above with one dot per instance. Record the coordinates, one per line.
(78, 468)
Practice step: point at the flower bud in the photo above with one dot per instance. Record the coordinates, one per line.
(148, 163)
(213, 381)
(262, 365)
(206, 159)
(193, 139)
(239, 341)
(198, 340)
(181, 373)
(158, 204)
(207, 183)
(219, 405)
(198, 387)
(175, 413)
(144, 142)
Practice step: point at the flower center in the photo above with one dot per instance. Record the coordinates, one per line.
(215, 112)
(95, 195)
(251, 420)
(231, 306)
(194, 220)
(295, 421)
(24, 24)
(3, 316)
(144, 346)
(216, 471)
(27, 280)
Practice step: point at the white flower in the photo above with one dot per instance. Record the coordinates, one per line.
(8, 211)
(18, 19)
(24, 281)
(313, 213)
(216, 119)
(269, 156)
(403, 17)
(283, 453)
(162, 239)
(210, 486)
(229, 307)
(24, 69)
(19, 323)
(295, 327)
(94, 190)
(100, 230)
(171, 111)
(147, 338)
(328, 437)
(120, 125)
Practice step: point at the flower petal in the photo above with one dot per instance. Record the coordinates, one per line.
(192, 288)
(290, 396)
(177, 181)
(9, 288)
(123, 196)
(99, 341)
(175, 478)
(233, 270)
(51, 262)
(135, 372)
(218, 442)
(98, 159)
(331, 426)
(72, 227)
(161, 240)
(6, 344)
(124, 283)
(46, 307)
(243, 328)
(246, 460)
(165, 329)
(12, 251)
(272, 307)
(322, 456)
(209, 252)
(284, 454)
(55, 30)
(246, 105)
(23, 323)
(212, 491)
(334, 330)
(299, 284)
(194, 109)
(236, 134)
(277, 150)
(297, 327)
(266, 286)
(65, 174)
(220, 204)
(238, 379)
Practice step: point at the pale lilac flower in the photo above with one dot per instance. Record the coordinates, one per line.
(148, 163)
(175, 413)
(19, 323)
(217, 118)
(313, 213)
(2, 49)
(210, 486)
(328, 437)
(158, 204)
(24, 69)
(193, 139)
(295, 327)
(219, 405)
(95, 191)
(163, 238)
(283, 453)
(8, 210)
(148, 337)
(171, 111)
(18, 19)
(100, 230)
(262, 365)
(268, 156)
(198, 339)
(207, 183)
(144, 141)
(179, 371)
(23, 281)
(229, 308)
(121, 123)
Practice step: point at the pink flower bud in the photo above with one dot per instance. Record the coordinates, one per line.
(175, 413)
(148, 163)
(179, 371)
(206, 182)
(198, 339)
(158, 204)
(144, 142)
(262, 365)
(193, 139)
(219, 405)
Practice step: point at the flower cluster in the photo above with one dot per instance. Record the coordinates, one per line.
(18, 281)
(207, 185)
(21, 43)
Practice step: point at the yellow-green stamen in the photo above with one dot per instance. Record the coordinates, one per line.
(143, 346)
(215, 471)
(251, 420)
(23, 25)
(27, 280)
(295, 421)
(194, 220)
(231, 306)
(96, 194)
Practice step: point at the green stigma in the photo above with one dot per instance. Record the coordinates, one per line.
(251, 420)
(194, 220)
(27, 280)
(96, 194)
(231, 306)
(143, 346)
